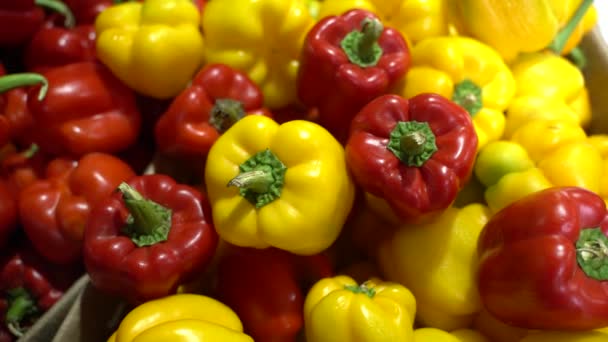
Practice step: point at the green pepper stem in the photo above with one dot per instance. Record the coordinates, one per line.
(560, 40)
(577, 56)
(592, 253)
(361, 47)
(13, 81)
(60, 7)
(257, 180)
(370, 292)
(21, 305)
(148, 222)
(468, 95)
(371, 29)
(412, 142)
(31, 151)
(225, 113)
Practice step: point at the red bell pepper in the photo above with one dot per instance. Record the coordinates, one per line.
(346, 62)
(218, 97)
(29, 286)
(544, 261)
(20, 19)
(149, 237)
(51, 47)
(86, 109)
(8, 213)
(266, 289)
(415, 154)
(54, 211)
(86, 11)
(21, 168)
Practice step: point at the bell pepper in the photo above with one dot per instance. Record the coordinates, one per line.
(54, 210)
(413, 154)
(517, 26)
(600, 142)
(548, 86)
(499, 158)
(86, 11)
(468, 72)
(131, 233)
(576, 18)
(178, 318)
(496, 330)
(514, 186)
(8, 213)
(541, 261)
(262, 38)
(52, 47)
(415, 19)
(155, 47)
(20, 19)
(338, 309)
(217, 97)
(346, 62)
(86, 109)
(29, 286)
(288, 185)
(444, 284)
(272, 307)
(21, 167)
(566, 336)
(437, 335)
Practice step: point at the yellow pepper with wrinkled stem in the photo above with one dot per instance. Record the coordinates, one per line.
(289, 185)
(518, 26)
(549, 87)
(437, 261)
(338, 309)
(154, 47)
(415, 19)
(181, 318)
(437, 335)
(470, 73)
(260, 37)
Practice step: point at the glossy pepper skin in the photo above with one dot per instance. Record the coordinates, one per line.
(414, 154)
(217, 97)
(155, 47)
(340, 75)
(15, 116)
(541, 260)
(86, 11)
(86, 109)
(290, 187)
(339, 309)
(237, 33)
(272, 307)
(468, 72)
(53, 211)
(442, 278)
(168, 239)
(201, 318)
(428, 334)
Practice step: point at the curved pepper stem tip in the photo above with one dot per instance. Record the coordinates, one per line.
(60, 7)
(13, 81)
(560, 40)
(362, 47)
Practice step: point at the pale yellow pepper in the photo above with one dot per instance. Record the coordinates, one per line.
(154, 47)
(470, 73)
(438, 261)
(338, 309)
(437, 335)
(514, 186)
(262, 38)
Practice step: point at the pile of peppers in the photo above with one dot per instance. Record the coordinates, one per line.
(304, 170)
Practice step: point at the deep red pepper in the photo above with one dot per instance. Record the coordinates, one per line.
(54, 211)
(347, 61)
(86, 109)
(22, 167)
(543, 261)
(20, 19)
(266, 289)
(8, 213)
(415, 154)
(86, 11)
(218, 97)
(149, 237)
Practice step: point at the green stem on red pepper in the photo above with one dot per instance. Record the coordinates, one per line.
(261, 178)
(412, 142)
(560, 40)
(13, 81)
(468, 95)
(225, 113)
(361, 289)
(362, 47)
(148, 222)
(592, 253)
(61, 8)
(21, 305)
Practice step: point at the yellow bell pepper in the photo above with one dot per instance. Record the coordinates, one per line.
(181, 318)
(516, 26)
(260, 37)
(470, 73)
(441, 277)
(558, 83)
(338, 309)
(289, 185)
(514, 186)
(600, 142)
(499, 158)
(437, 335)
(566, 336)
(415, 19)
(154, 47)
(496, 330)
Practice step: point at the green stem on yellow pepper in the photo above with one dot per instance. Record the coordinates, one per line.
(560, 40)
